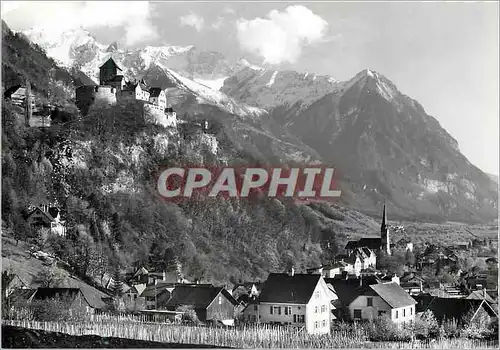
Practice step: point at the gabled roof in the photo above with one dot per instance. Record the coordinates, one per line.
(284, 288)
(451, 308)
(373, 243)
(110, 62)
(155, 91)
(22, 294)
(347, 289)
(197, 296)
(393, 294)
(141, 271)
(152, 290)
(7, 279)
(47, 215)
(481, 295)
(81, 79)
(8, 93)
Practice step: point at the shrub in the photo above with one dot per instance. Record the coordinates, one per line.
(383, 329)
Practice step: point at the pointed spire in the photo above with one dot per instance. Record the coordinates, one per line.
(384, 220)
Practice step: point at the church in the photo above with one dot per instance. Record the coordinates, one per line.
(377, 244)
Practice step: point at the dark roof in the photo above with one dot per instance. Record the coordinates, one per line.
(450, 308)
(157, 289)
(197, 296)
(47, 215)
(81, 79)
(373, 243)
(11, 90)
(347, 289)
(155, 91)
(46, 293)
(284, 288)
(393, 294)
(21, 294)
(110, 62)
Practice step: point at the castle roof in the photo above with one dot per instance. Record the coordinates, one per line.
(110, 63)
(155, 91)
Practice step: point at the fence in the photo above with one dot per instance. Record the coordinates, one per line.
(241, 337)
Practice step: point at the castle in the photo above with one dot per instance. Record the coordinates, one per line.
(382, 244)
(114, 88)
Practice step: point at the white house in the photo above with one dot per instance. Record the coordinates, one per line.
(158, 97)
(383, 299)
(302, 300)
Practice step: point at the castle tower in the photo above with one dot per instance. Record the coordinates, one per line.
(108, 71)
(384, 234)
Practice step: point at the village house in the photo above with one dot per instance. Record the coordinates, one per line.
(381, 244)
(11, 282)
(368, 297)
(155, 295)
(211, 304)
(302, 300)
(412, 284)
(47, 217)
(383, 299)
(17, 95)
(72, 299)
(458, 309)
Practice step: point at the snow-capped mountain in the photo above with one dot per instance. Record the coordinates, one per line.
(272, 88)
(383, 142)
(78, 49)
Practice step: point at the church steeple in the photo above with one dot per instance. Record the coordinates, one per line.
(384, 233)
(383, 227)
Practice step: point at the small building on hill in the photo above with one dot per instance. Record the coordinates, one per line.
(47, 217)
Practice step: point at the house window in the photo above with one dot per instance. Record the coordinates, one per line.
(294, 318)
(315, 309)
(300, 318)
(316, 324)
(220, 300)
(357, 314)
(397, 313)
(369, 301)
(323, 323)
(381, 313)
(271, 310)
(411, 311)
(276, 310)
(316, 295)
(288, 310)
(404, 312)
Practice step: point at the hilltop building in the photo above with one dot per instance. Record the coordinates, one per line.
(114, 88)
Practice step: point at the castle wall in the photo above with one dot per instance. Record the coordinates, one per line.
(156, 115)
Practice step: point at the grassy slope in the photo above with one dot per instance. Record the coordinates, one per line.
(16, 259)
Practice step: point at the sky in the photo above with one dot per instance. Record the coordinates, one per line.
(444, 55)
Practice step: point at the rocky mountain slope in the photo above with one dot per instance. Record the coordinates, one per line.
(383, 143)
